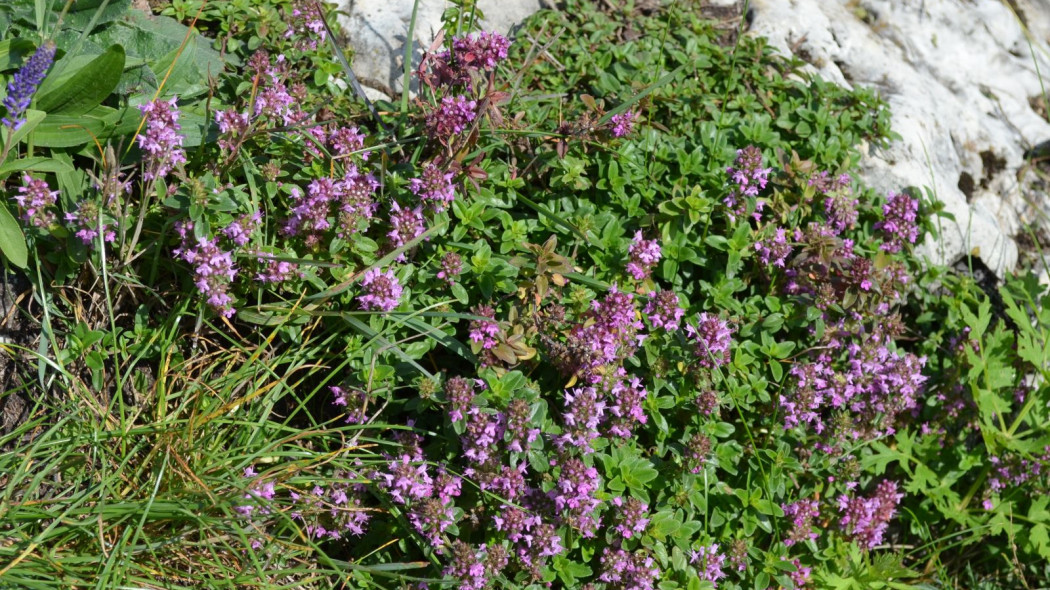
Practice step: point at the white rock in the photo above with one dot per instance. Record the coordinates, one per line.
(958, 75)
(378, 30)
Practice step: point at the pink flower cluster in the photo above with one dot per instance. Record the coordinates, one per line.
(161, 143)
(213, 268)
(381, 291)
(874, 384)
(643, 255)
(35, 199)
(622, 124)
(632, 516)
(711, 560)
(802, 514)
(450, 117)
(664, 311)
(89, 220)
(350, 196)
(749, 177)
(484, 331)
(434, 187)
(624, 570)
(898, 222)
(469, 55)
(865, 519)
(774, 249)
(609, 332)
(712, 337)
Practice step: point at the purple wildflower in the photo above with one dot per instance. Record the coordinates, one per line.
(275, 271)
(712, 337)
(865, 519)
(406, 479)
(802, 514)
(626, 409)
(451, 266)
(583, 412)
(631, 516)
(749, 177)
(347, 140)
(35, 200)
(435, 187)
(213, 268)
(609, 331)
(355, 401)
(382, 290)
(775, 249)
(800, 577)
(484, 332)
(519, 435)
(711, 560)
(622, 124)
(240, 231)
(696, 452)
(356, 202)
(622, 570)
(898, 222)
(469, 54)
(233, 126)
(484, 431)
(450, 117)
(663, 310)
(274, 99)
(874, 384)
(481, 51)
(643, 254)
(460, 395)
(841, 209)
(574, 495)
(24, 83)
(309, 215)
(161, 143)
(468, 566)
(88, 222)
(407, 224)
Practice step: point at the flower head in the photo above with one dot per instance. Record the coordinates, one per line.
(35, 199)
(382, 290)
(898, 222)
(643, 255)
(23, 85)
(161, 143)
(712, 337)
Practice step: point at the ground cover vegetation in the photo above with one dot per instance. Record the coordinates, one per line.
(602, 307)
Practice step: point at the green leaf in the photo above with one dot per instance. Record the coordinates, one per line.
(60, 131)
(13, 52)
(569, 571)
(88, 87)
(33, 118)
(12, 241)
(37, 163)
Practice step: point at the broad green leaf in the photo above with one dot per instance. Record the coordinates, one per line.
(60, 131)
(12, 241)
(33, 118)
(37, 163)
(88, 87)
(13, 52)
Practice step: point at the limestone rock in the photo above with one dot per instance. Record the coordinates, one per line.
(961, 79)
(378, 31)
